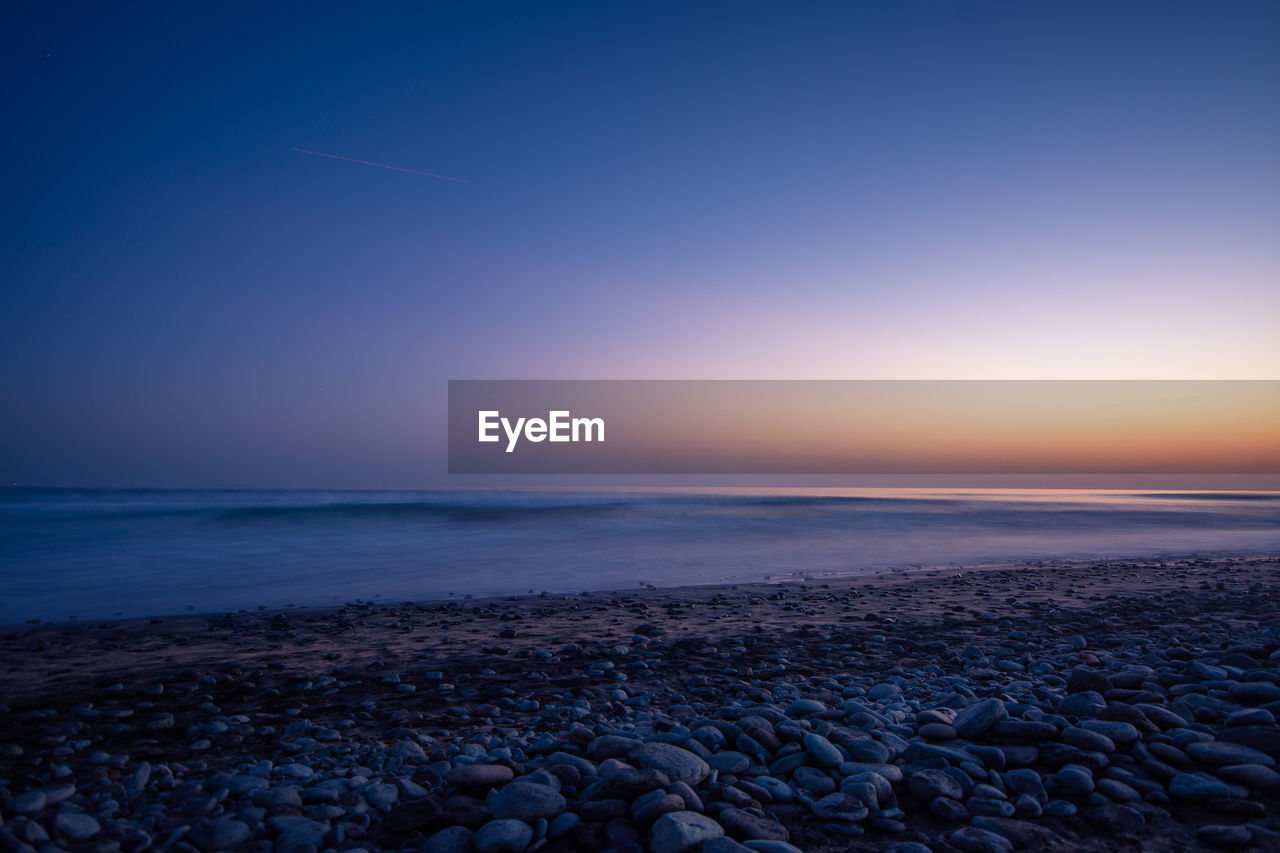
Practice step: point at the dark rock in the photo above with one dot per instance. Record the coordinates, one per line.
(1220, 753)
(629, 783)
(926, 785)
(479, 775)
(503, 836)
(1225, 836)
(412, 815)
(973, 839)
(1262, 738)
(745, 825)
(466, 811)
(526, 801)
(949, 810)
(453, 839)
(1202, 786)
(679, 765)
(1023, 835)
(682, 831)
(1085, 680)
(221, 834)
(978, 717)
(1116, 819)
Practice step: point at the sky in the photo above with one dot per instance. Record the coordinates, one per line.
(941, 190)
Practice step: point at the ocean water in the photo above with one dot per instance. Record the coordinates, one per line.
(93, 554)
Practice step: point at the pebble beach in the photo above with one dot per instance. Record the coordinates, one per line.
(1091, 705)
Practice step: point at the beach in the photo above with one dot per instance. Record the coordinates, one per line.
(641, 428)
(1073, 705)
(93, 554)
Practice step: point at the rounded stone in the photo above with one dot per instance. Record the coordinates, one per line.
(814, 781)
(840, 806)
(77, 826)
(1073, 780)
(1087, 681)
(1254, 776)
(479, 776)
(978, 717)
(503, 836)
(1220, 835)
(729, 762)
(526, 801)
(653, 805)
(681, 831)
(453, 839)
(805, 708)
(1116, 819)
(971, 839)
(1202, 786)
(411, 815)
(1115, 730)
(1222, 753)
(926, 785)
(221, 834)
(28, 803)
(748, 826)
(761, 846)
(823, 751)
(679, 765)
(1087, 740)
(945, 808)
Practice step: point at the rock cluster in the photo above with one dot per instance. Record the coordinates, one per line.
(981, 736)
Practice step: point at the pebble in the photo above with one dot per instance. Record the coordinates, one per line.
(28, 803)
(1074, 779)
(1254, 776)
(222, 834)
(681, 831)
(526, 801)
(761, 846)
(298, 832)
(479, 775)
(746, 825)
(972, 839)
(1116, 819)
(927, 785)
(1202, 786)
(412, 815)
(822, 751)
(840, 806)
(679, 765)
(452, 839)
(972, 721)
(503, 836)
(732, 741)
(1219, 835)
(1220, 753)
(76, 826)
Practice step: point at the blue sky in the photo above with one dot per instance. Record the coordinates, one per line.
(810, 190)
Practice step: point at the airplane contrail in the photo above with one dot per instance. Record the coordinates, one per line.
(382, 166)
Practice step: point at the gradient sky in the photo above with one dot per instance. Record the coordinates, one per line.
(777, 190)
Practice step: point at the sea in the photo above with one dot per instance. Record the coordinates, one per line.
(78, 554)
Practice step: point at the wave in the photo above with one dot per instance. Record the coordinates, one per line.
(1211, 496)
(550, 509)
(103, 552)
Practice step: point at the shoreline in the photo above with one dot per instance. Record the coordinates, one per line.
(419, 692)
(764, 581)
(191, 629)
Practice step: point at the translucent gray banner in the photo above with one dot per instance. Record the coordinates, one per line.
(863, 427)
